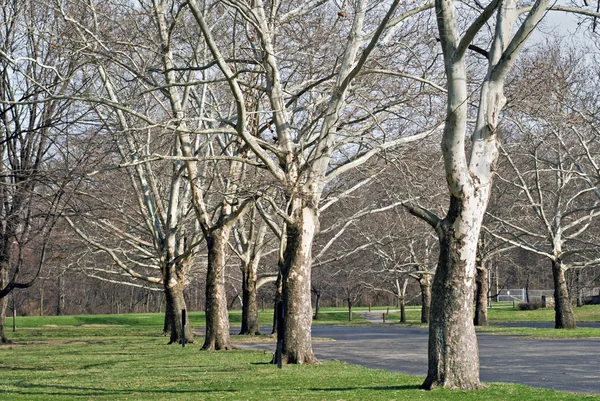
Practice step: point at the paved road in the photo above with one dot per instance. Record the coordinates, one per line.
(565, 365)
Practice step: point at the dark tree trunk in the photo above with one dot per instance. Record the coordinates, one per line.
(250, 324)
(42, 301)
(174, 284)
(217, 319)
(453, 352)
(579, 291)
(317, 304)
(60, 303)
(297, 344)
(564, 318)
(349, 310)
(481, 302)
(402, 301)
(278, 296)
(425, 284)
(3, 303)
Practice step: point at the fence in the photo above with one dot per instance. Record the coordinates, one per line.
(520, 294)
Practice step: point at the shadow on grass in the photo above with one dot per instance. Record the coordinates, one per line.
(61, 390)
(105, 364)
(32, 368)
(406, 387)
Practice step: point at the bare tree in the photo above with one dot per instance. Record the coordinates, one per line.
(310, 118)
(547, 160)
(453, 351)
(37, 129)
(251, 244)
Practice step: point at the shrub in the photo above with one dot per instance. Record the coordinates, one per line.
(530, 305)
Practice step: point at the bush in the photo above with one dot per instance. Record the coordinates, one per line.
(530, 305)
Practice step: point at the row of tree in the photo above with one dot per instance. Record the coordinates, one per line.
(171, 136)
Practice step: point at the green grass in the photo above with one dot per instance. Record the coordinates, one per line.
(505, 312)
(79, 358)
(581, 332)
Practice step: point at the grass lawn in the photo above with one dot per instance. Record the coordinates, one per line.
(506, 313)
(123, 357)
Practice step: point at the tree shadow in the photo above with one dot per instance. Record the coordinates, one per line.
(406, 387)
(68, 391)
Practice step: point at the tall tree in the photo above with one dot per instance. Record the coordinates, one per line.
(37, 128)
(547, 160)
(310, 118)
(453, 351)
(251, 244)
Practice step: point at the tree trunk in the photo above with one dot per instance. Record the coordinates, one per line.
(481, 302)
(42, 300)
(579, 290)
(278, 296)
(453, 352)
(217, 319)
(402, 301)
(297, 345)
(3, 303)
(425, 284)
(60, 303)
(349, 310)
(564, 318)
(250, 325)
(174, 284)
(317, 304)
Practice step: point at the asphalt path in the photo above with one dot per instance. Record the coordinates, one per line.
(571, 365)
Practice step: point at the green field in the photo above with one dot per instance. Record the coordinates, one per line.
(507, 313)
(124, 357)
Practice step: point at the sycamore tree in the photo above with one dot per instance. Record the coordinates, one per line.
(143, 223)
(549, 169)
(172, 133)
(496, 31)
(322, 112)
(252, 243)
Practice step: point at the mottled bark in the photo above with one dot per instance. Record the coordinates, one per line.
(297, 345)
(250, 324)
(217, 319)
(453, 351)
(174, 284)
(425, 285)
(481, 298)
(563, 317)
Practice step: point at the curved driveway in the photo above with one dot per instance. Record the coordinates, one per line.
(567, 365)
